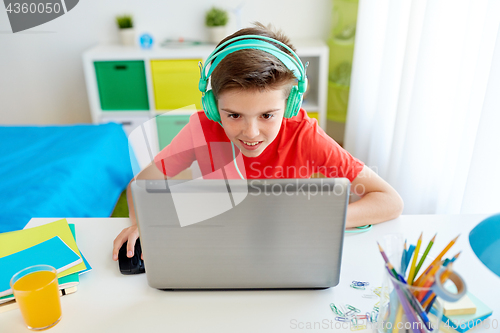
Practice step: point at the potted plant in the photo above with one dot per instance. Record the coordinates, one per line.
(126, 27)
(216, 20)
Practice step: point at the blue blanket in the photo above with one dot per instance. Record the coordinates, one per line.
(61, 171)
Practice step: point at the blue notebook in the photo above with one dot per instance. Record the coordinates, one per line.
(463, 323)
(53, 252)
(72, 228)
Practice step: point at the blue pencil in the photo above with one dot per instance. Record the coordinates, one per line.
(408, 257)
(403, 260)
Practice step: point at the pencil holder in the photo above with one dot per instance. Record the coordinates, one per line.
(407, 308)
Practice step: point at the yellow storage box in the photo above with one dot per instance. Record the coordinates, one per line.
(175, 83)
(313, 115)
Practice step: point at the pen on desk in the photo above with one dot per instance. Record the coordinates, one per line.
(427, 249)
(411, 275)
(438, 258)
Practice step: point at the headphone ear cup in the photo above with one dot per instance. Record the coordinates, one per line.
(210, 106)
(294, 102)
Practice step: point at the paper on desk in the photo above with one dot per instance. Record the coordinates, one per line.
(53, 252)
(15, 241)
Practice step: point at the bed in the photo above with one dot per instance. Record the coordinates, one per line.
(61, 171)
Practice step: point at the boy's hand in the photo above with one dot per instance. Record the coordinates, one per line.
(129, 234)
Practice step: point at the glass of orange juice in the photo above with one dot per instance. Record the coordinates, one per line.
(37, 293)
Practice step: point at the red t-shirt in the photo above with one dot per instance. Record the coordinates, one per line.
(301, 149)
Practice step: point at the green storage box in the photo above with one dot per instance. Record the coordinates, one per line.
(169, 126)
(122, 85)
(338, 99)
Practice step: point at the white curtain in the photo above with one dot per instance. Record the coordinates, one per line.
(424, 104)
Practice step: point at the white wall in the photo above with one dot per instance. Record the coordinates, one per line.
(41, 75)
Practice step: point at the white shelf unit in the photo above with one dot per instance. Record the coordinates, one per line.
(314, 51)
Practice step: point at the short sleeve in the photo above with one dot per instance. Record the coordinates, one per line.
(178, 155)
(332, 160)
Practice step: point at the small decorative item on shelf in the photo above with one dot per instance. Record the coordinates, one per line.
(127, 32)
(146, 41)
(216, 20)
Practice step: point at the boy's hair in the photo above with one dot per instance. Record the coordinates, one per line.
(252, 69)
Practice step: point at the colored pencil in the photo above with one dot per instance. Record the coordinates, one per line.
(399, 316)
(403, 260)
(382, 252)
(411, 275)
(409, 253)
(429, 306)
(446, 273)
(438, 258)
(427, 249)
(428, 300)
(415, 303)
(410, 313)
(455, 257)
(427, 284)
(425, 305)
(432, 272)
(444, 277)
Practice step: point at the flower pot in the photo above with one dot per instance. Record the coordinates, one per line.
(127, 36)
(216, 34)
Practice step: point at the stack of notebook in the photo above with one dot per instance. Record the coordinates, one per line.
(51, 244)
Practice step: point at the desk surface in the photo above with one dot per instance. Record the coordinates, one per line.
(107, 301)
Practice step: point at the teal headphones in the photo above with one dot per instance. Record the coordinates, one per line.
(259, 43)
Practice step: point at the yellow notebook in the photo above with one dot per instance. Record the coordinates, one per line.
(15, 241)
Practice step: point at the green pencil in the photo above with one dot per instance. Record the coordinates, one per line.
(425, 254)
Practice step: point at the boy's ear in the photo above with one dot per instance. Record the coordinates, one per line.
(210, 106)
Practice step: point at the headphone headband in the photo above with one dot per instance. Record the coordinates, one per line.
(292, 62)
(286, 59)
(254, 42)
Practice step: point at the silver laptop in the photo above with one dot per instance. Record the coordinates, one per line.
(242, 234)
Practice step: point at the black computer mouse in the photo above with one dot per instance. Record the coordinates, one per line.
(134, 265)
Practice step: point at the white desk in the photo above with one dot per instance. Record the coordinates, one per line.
(107, 301)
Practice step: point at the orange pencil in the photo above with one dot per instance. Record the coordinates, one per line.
(447, 272)
(427, 284)
(444, 277)
(411, 275)
(428, 301)
(431, 273)
(438, 258)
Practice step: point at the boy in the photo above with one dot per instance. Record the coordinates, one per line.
(251, 89)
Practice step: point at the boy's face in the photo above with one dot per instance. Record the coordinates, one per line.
(251, 119)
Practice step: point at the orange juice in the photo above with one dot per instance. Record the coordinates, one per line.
(37, 294)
